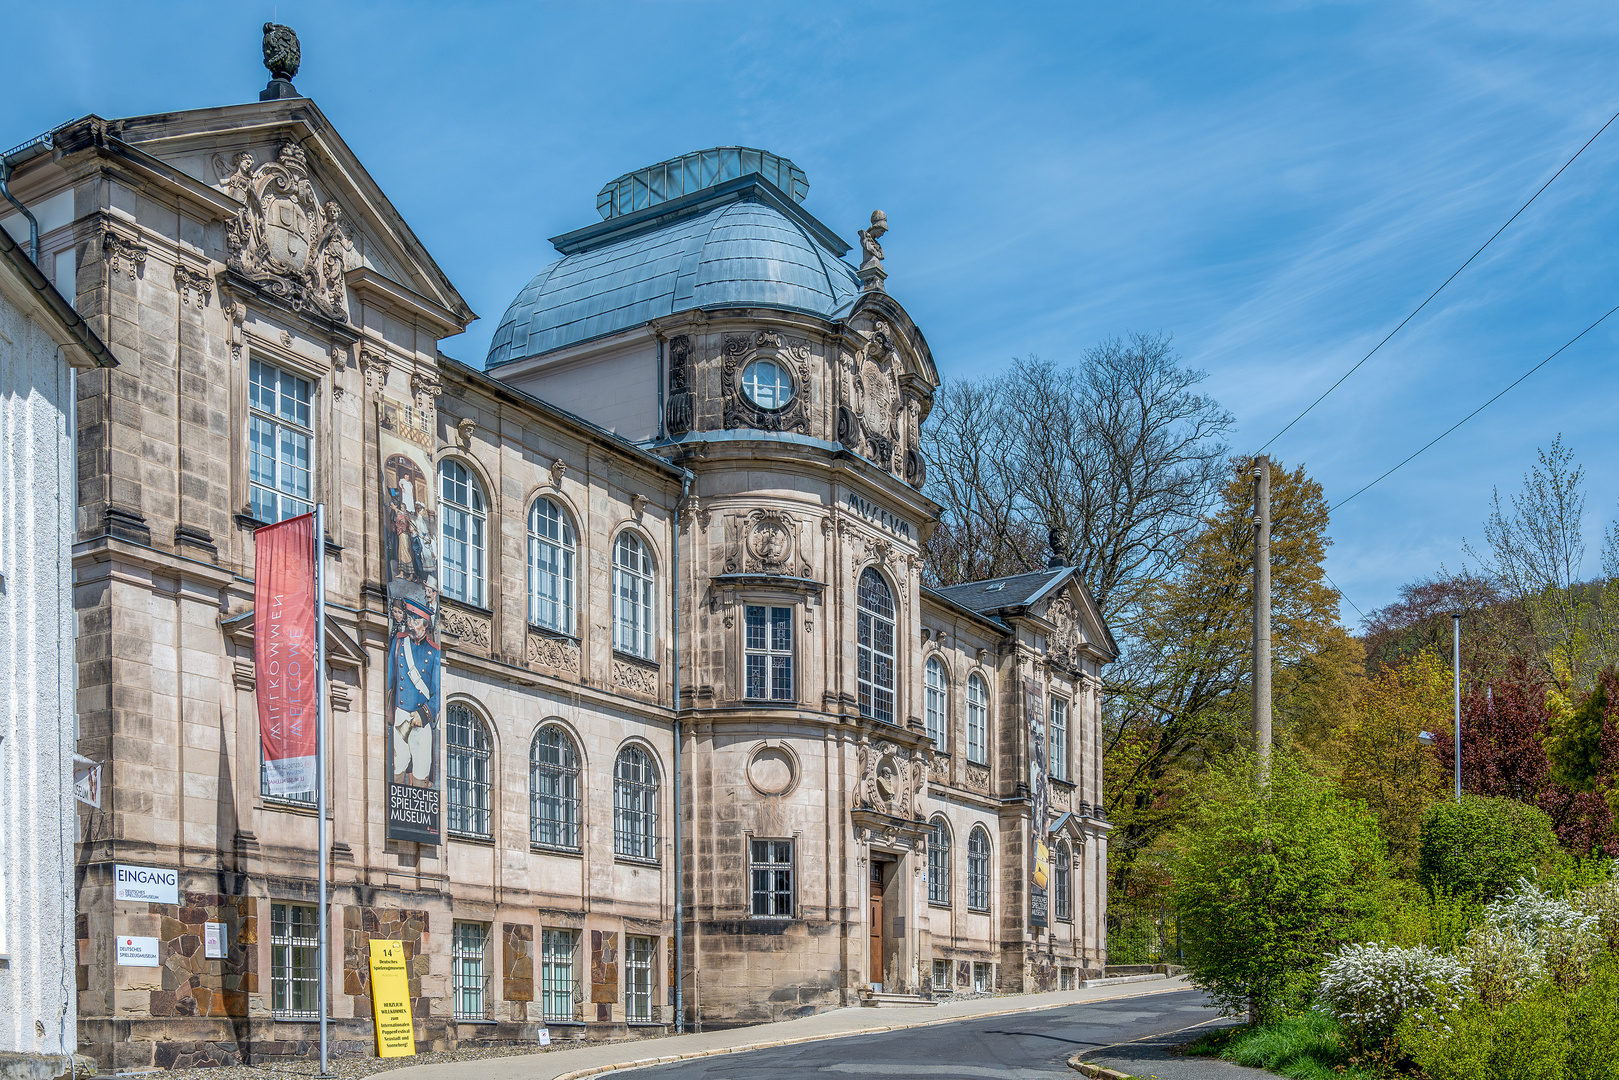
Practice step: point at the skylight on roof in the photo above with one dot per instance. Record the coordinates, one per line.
(670, 180)
(997, 587)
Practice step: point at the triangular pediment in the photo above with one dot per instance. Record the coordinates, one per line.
(288, 143)
(1078, 627)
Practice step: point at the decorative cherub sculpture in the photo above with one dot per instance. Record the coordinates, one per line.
(869, 241)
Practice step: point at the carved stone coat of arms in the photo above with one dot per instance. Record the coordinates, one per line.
(284, 239)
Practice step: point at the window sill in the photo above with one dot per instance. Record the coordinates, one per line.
(769, 703)
(563, 1023)
(466, 605)
(942, 907)
(547, 849)
(647, 1023)
(631, 860)
(644, 661)
(772, 918)
(558, 635)
(1069, 784)
(295, 806)
(482, 1021)
(978, 911)
(471, 838)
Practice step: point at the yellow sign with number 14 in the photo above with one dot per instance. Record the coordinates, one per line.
(390, 999)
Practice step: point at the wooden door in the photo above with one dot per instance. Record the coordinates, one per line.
(876, 905)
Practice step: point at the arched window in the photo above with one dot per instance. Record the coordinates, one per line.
(550, 567)
(553, 789)
(468, 772)
(977, 721)
(461, 518)
(632, 596)
(934, 707)
(876, 647)
(635, 805)
(978, 870)
(1062, 882)
(939, 862)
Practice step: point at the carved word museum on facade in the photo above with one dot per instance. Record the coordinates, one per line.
(687, 471)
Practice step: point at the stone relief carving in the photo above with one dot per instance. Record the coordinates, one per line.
(284, 239)
(679, 415)
(464, 429)
(557, 653)
(375, 367)
(916, 467)
(869, 421)
(425, 386)
(468, 627)
(871, 272)
(768, 541)
(1062, 645)
(193, 285)
(792, 354)
(891, 779)
(978, 777)
(939, 768)
(635, 677)
(558, 469)
(123, 253)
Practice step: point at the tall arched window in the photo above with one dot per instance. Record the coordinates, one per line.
(468, 772)
(550, 567)
(934, 706)
(876, 647)
(978, 869)
(553, 789)
(461, 520)
(1062, 882)
(939, 862)
(632, 596)
(977, 721)
(635, 805)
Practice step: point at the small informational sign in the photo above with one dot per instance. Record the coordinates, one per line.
(215, 941)
(87, 781)
(390, 1000)
(545, 1036)
(137, 952)
(151, 884)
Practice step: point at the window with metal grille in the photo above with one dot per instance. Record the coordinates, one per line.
(553, 778)
(635, 805)
(771, 864)
(557, 982)
(875, 647)
(469, 941)
(461, 520)
(1066, 975)
(279, 441)
(983, 978)
(939, 862)
(934, 703)
(551, 552)
(632, 596)
(941, 974)
(640, 962)
(1059, 739)
(294, 961)
(1062, 883)
(977, 721)
(769, 652)
(978, 870)
(468, 773)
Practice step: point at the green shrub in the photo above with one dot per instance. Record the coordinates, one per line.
(1411, 915)
(1480, 847)
(1601, 902)
(1269, 881)
(1593, 1025)
(1306, 1046)
(1539, 1037)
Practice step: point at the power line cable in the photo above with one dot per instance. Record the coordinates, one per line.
(1481, 408)
(1441, 288)
(1343, 595)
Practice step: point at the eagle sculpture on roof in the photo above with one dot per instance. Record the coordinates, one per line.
(281, 54)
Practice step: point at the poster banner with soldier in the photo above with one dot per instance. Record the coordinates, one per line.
(411, 575)
(1040, 800)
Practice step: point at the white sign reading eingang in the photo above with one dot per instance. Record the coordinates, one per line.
(152, 884)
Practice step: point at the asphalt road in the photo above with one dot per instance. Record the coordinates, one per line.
(1024, 1046)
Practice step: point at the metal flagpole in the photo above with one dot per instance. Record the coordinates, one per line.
(320, 767)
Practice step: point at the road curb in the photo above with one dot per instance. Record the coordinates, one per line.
(670, 1059)
(1096, 1071)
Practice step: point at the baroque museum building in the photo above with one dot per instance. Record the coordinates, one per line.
(640, 590)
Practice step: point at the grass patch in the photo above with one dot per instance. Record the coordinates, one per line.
(1305, 1046)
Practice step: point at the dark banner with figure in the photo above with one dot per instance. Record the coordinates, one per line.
(410, 548)
(1040, 799)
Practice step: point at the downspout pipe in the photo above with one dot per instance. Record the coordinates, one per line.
(33, 222)
(680, 879)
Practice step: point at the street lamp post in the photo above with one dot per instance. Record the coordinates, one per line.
(1456, 671)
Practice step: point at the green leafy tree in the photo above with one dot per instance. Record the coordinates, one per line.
(1270, 879)
(1481, 846)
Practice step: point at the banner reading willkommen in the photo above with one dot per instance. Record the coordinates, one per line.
(1040, 800)
(410, 551)
(390, 999)
(284, 655)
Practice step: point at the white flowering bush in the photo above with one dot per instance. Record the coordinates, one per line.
(1368, 988)
(1601, 903)
(1501, 965)
(1532, 915)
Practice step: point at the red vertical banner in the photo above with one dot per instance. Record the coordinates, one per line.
(285, 659)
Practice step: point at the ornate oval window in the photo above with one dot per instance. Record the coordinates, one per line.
(767, 384)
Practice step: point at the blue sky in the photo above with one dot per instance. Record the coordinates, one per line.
(1275, 184)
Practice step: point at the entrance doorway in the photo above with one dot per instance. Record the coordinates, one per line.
(878, 938)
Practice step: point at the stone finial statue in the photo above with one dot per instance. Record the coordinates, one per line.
(281, 53)
(281, 56)
(1059, 547)
(871, 270)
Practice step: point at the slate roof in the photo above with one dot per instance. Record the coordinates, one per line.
(742, 244)
(994, 594)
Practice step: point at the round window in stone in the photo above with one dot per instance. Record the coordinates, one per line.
(767, 384)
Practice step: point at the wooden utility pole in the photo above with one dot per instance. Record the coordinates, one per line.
(1261, 722)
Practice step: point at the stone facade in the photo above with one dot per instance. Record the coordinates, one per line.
(223, 251)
